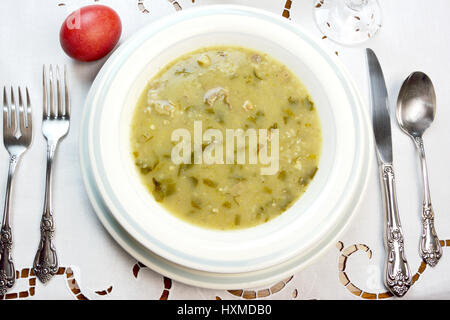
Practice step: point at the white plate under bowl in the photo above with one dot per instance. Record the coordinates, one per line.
(186, 275)
(329, 200)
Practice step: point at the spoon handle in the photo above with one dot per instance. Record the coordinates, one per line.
(397, 275)
(430, 247)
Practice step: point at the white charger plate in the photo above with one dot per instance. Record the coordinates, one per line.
(300, 232)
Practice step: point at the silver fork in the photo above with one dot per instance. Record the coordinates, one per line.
(55, 125)
(17, 135)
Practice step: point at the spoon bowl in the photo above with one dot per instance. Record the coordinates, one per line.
(416, 106)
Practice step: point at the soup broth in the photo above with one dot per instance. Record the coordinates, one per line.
(226, 88)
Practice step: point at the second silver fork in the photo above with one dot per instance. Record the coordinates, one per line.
(55, 126)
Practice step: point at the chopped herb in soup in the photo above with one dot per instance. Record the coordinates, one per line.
(226, 88)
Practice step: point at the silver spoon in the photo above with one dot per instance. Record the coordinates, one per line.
(416, 107)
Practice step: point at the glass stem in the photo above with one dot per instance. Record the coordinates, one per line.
(356, 5)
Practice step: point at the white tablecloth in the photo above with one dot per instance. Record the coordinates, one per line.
(414, 36)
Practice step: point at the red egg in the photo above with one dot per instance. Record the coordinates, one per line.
(90, 33)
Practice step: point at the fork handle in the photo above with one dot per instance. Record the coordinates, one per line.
(46, 261)
(7, 270)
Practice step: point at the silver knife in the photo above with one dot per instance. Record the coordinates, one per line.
(397, 273)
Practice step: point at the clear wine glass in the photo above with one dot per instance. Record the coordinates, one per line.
(348, 22)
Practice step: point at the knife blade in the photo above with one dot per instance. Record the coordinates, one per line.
(397, 273)
(380, 112)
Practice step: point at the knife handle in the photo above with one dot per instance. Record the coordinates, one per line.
(397, 274)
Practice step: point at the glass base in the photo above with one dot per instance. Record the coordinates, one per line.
(348, 22)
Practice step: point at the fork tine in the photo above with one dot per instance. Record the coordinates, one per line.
(5, 110)
(22, 115)
(45, 112)
(66, 94)
(52, 94)
(58, 93)
(28, 113)
(12, 110)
